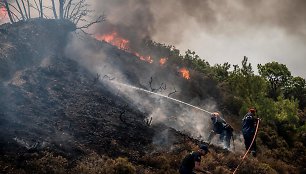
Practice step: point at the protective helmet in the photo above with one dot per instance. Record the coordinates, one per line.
(252, 110)
(204, 147)
(215, 114)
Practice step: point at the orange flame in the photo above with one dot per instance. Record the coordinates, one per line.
(3, 13)
(114, 39)
(144, 58)
(162, 60)
(185, 73)
(122, 43)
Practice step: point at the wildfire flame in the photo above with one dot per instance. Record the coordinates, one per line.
(122, 43)
(185, 73)
(3, 13)
(162, 60)
(114, 39)
(144, 58)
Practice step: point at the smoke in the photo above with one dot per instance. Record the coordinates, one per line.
(219, 31)
(173, 17)
(101, 60)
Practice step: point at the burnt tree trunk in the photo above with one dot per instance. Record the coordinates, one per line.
(20, 10)
(61, 9)
(41, 8)
(25, 10)
(54, 9)
(29, 9)
(8, 11)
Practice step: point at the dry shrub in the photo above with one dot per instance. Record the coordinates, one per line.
(9, 169)
(96, 164)
(49, 163)
(221, 170)
(281, 167)
(163, 163)
(254, 167)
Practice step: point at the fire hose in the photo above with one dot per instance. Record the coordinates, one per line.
(257, 125)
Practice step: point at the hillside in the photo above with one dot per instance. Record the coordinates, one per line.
(62, 111)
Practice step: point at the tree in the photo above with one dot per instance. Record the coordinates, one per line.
(221, 72)
(277, 75)
(296, 88)
(76, 11)
(244, 89)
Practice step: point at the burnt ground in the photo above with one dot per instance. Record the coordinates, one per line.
(51, 104)
(64, 107)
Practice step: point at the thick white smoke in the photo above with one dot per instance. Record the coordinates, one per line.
(161, 110)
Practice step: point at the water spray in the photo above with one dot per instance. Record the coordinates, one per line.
(160, 95)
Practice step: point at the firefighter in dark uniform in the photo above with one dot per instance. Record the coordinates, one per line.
(218, 127)
(248, 130)
(193, 160)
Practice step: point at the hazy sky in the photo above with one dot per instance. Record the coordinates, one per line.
(220, 30)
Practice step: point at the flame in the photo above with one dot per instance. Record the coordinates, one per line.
(144, 58)
(114, 39)
(185, 73)
(3, 13)
(162, 60)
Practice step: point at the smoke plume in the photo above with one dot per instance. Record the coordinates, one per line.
(219, 31)
(169, 19)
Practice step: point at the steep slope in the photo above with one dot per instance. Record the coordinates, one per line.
(50, 102)
(63, 109)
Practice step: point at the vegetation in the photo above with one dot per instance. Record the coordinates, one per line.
(279, 98)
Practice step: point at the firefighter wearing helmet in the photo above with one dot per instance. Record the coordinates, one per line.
(222, 128)
(248, 130)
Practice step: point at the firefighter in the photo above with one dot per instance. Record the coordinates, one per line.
(248, 130)
(218, 127)
(193, 160)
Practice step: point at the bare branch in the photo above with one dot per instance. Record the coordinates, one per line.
(98, 20)
(172, 92)
(37, 8)
(20, 11)
(161, 87)
(122, 114)
(96, 79)
(109, 78)
(13, 7)
(67, 9)
(148, 121)
(8, 11)
(24, 8)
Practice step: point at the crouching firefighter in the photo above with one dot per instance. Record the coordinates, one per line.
(193, 160)
(218, 127)
(222, 128)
